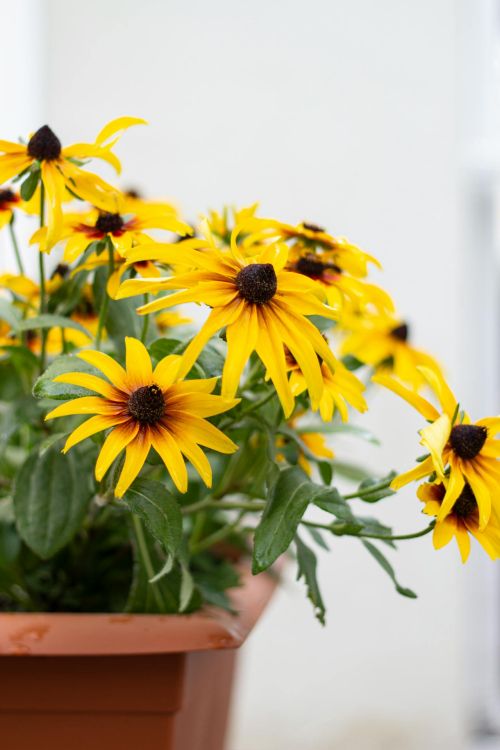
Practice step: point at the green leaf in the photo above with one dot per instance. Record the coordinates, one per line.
(187, 588)
(387, 567)
(326, 471)
(161, 596)
(30, 184)
(352, 363)
(159, 510)
(163, 347)
(51, 321)
(286, 505)
(10, 314)
(46, 388)
(379, 490)
(307, 563)
(51, 498)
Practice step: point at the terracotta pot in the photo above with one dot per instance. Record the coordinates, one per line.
(120, 682)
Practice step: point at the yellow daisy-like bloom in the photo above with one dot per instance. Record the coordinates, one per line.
(460, 452)
(146, 407)
(462, 521)
(308, 238)
(315, 442)
(261, 305)
(59, 170)
(9, 200)
(340, 388)
(342, 289)
(382, 341)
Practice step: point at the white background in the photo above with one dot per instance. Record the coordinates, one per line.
(347, 114)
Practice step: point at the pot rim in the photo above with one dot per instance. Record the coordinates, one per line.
(114, 634)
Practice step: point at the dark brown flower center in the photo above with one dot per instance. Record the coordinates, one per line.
(108, 223)
(466, 440)
(61, 270)
(44, 145)
(133, 193)
(401, 332)
(465, 504)
(313, 227)
(311, 266)
(257, 283)
(147, 404)
(7, 196)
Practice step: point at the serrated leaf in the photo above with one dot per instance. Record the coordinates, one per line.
(51, 498)
(51, 321)
(285, 507)
(159, 510)
(307, 563)
(46, 388)
(387, 567)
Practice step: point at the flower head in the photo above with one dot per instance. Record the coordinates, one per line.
(59, 168)
(462, 521)
(144, 408)
(384, 342)
(459, 452)
(261, 305)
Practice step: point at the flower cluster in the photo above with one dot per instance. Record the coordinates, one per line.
(217, 434)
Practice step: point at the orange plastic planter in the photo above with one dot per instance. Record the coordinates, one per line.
(123, 682)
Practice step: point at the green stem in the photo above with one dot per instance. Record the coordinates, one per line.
(383, 537)
(43, 296)
(209, 502)
(145, 325)
(251, 408)
(146, 559)
(217, 536)
(369, 490)
(103, 311)
(16, 246)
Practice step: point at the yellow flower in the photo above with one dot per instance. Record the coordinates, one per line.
(459, 452)
(170, 319)
(146, 408)
(8, 201)
(59, 169)
(460, 522)
(342, 289)
(382, 341)
(315, 442)
(262, 307)
(307, 238)
(340, 387)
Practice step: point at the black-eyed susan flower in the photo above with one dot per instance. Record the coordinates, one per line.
(383, 342)
(460, 452)
(122, 230)
(9, 200)
(340, 389)
(461, 522)
(307, 238)
(261, 306)
(146, 408)
(59, 168)
(342, 290)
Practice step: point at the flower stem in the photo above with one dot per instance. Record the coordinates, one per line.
(43, 296)
(16, 246)
(369, 489)
(143, 551)
(386, 537)
(145, 325)
(218, 535)
(103, 311)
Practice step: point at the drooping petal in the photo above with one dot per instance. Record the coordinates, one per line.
(54, 190)
(440, 387)
(167, 448)
(434, 438)
(270, 350)
(116, 441)
(89, 427)
(194, 454)
(241, 341)
(444, 532)
(204, 433)
(454, 487)
(136, 454)
(116, 127)
(423, 469)
(424, 407)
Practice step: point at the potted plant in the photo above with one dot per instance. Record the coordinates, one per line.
(138, 545)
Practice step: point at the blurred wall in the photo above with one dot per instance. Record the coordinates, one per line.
(340, 113)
